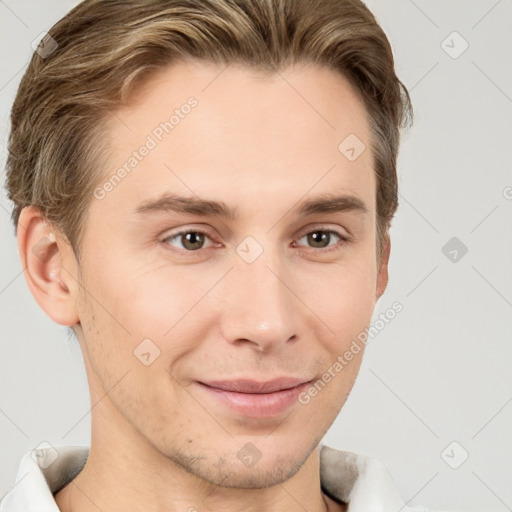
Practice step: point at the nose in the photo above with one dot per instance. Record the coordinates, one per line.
(261, 310)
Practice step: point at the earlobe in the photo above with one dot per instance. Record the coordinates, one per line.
(382, 277)
(49, 266)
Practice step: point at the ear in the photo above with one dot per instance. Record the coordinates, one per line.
(382, 277)
(49, 265)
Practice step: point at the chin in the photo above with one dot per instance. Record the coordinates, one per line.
(261, 475)
(248, 467)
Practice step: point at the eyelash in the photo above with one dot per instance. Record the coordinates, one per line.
(343, 239)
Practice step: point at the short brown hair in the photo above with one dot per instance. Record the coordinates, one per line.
(105, 47)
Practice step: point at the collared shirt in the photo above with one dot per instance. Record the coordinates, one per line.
(361, 481)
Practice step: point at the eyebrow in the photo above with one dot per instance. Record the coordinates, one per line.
(326, 203)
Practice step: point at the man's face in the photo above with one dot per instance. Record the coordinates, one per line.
(269, 293)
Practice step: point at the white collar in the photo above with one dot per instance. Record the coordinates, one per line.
(361, 481)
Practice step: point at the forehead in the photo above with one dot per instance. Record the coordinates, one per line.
(286, 133)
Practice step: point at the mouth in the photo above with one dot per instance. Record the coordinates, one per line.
(255, 399)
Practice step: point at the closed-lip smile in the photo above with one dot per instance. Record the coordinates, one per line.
(256, 399)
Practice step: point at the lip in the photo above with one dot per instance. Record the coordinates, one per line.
(256, 399)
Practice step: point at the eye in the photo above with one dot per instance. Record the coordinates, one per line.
(320, 239)
(191, 240)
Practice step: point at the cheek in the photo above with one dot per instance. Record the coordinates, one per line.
(343, 297)
(139, 301)
(139, 304)
(123, 335)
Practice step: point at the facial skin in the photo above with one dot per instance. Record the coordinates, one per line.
(263, 146)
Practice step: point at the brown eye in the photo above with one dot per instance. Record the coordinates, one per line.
(321, 239)
(189, 240)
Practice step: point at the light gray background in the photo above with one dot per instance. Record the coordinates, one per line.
(440, 371)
